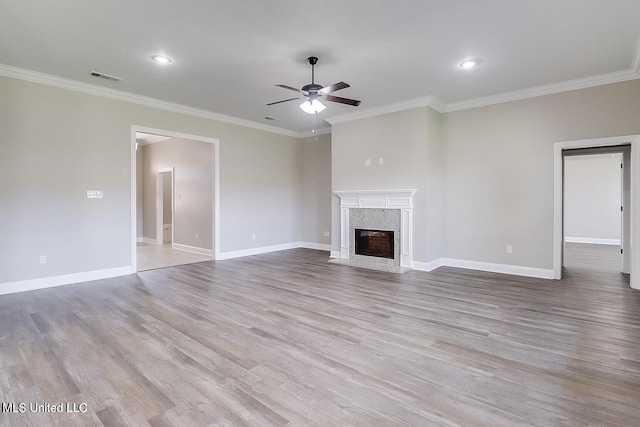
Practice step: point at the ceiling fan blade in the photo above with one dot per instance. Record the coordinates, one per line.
(342, 100)
(290, 88)
(280, 102)
(333, 88)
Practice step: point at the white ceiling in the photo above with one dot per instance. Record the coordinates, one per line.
(229, 55)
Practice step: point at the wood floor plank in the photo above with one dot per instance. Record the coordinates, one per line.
(288, 339)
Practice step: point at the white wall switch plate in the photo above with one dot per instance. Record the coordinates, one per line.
(381, 161)
(367, 162)
(43, 259)
(509, 249)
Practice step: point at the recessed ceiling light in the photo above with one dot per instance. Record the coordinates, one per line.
(468, 63)
(161, 59)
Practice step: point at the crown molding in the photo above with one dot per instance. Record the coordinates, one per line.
(584, 83)
(566, 86)
(429, 101)
(636, 59)
(91, 89)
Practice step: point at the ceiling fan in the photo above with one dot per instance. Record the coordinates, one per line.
(314, 93)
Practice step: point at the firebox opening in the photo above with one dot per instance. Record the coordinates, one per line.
(378, 243)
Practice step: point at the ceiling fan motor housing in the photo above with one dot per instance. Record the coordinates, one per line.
(312, 88)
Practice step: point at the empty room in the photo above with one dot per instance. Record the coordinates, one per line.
(295, 213)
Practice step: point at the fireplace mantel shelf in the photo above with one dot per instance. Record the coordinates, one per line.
(376, 199)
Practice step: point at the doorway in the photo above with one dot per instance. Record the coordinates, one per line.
(175, 198)
(630, 234)
(596, 221)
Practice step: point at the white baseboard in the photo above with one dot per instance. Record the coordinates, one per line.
(67, 279)
(334, 254)
(516, 270)
(146, 240)
(257, 251)
(274, 248)
(194, 249)
(593, 241)
(427, 266)
(318, 246)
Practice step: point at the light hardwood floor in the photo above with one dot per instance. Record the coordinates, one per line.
(289, 339)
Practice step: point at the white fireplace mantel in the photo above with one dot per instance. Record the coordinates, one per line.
(376, 199)
(379, 199)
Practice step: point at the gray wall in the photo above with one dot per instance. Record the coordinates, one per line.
(410, 144)
(435, 175)
(193, 186)
(500, 168)
(592, 196)
(484, 175)
(56, 144)
(316, 189)
(262, 183)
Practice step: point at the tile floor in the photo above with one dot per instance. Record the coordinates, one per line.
(159, 256)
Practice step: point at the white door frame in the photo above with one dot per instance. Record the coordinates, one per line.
(216, 186)
(625, 193)
(634, 256)
(160, 205)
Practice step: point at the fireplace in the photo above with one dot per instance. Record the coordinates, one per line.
(376, 229)
(376, 243)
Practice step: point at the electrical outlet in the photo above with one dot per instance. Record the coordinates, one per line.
(253, 237)
(367, 162)
(509, 249)
(43, 259)
(380, 161)
(326, 234)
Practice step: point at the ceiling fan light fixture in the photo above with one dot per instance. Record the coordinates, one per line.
(161, 59)
(312, 107)
(468, 63)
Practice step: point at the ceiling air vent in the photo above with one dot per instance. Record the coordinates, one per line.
(269, 118)
(105, 76)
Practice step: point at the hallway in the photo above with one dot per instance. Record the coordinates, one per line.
(594, 264)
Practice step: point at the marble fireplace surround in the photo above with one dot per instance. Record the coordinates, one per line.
(401, 200)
